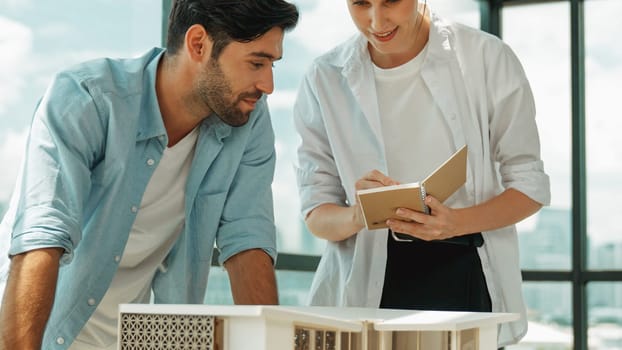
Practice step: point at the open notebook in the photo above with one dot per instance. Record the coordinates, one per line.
(380, 203)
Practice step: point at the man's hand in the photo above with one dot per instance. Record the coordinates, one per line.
(28, 298)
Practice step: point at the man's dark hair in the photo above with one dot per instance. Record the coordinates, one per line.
(228, 20)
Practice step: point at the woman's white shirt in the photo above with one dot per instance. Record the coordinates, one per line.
(485, 99)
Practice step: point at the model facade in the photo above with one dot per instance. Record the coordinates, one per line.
(304, 328)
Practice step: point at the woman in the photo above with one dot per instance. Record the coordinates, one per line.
(387, 107)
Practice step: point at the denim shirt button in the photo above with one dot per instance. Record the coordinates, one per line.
(134, 209)
(150, 162)
(60, 341)
(91, 301)
(117, 258)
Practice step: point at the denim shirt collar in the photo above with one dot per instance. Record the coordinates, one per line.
(151, 124)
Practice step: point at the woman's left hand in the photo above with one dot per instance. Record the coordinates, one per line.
(440, 224)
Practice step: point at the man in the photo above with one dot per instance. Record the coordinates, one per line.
(135, 168)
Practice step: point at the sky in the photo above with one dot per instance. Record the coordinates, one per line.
(37, 41)
(40, 38)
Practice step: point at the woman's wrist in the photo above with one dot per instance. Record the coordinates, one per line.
(358, 222)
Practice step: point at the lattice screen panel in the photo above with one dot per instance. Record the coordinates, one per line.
(164, 332)
(316, 339)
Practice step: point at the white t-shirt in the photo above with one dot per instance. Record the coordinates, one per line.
(416, 138)
(158, 224)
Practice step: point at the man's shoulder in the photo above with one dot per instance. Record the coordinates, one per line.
(111, 75)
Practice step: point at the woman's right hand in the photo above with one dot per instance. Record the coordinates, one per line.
(373, 179)
(336, 223)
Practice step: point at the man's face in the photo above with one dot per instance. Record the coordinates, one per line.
(231, 85)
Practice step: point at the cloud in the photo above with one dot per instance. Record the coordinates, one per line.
(17, 5)
(52, 31)
(11, 154)
(602, 121)
(25, 71)
(603, 76)
(602, 24)
(16, 46)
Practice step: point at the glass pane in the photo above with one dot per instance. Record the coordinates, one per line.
(547, 244)
(603, 126)
(465, 12)
(549, 311)
(605, 315)
(37, 39)
(323, 25)
(544, 50)
(311, 38)
(293, 287)
(218, 288)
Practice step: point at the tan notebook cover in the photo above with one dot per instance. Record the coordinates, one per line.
(380, 203)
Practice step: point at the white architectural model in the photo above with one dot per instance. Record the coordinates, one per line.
(303, 328)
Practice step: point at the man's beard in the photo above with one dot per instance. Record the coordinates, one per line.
(214, 89)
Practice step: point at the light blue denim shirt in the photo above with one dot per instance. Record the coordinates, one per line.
(86, 169)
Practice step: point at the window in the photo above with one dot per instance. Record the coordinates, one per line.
(603, 73)
(549, 311)
(605, 315)
(577, 90)
(544, 51)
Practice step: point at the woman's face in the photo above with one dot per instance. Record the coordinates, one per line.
(391, 28)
